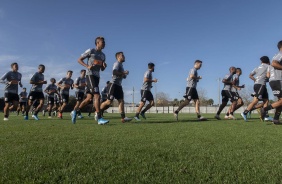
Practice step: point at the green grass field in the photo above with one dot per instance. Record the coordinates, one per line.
(158, 150)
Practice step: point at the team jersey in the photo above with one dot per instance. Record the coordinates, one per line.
(117, 79)
(81, 83)
(237, 82)
(260, 73)
(37, 77)
(228, 78)
(67, 82)
(23, 97)
(95, 59)
(147, 85)
(275, 74)
(14, 78)
(51, 88)
(192, 83)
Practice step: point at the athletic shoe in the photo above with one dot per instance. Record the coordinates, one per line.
(25, 117)
(126, 119)
(49, 117)
(268, 118)
(96, 116)
(262, 114)
(227, 117)
(176, 116)
(80, 116)
(231, 117)
(73, 116)
(35, 117)
(143, 115)
(137, 119)
(6, 119)
(202, 118)
(60, 115)
(276, 122)
(244, 116)
(217, 117)
(102, 121)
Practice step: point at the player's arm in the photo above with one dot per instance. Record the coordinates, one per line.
(150, 80)
(81, 61)
(3, 79)
(251, 76)
(276, 65)
(192, 76)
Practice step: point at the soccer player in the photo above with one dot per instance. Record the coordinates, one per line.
(259, 76)
(146, 94)
(23, 101)
(79, 85)
(115, 89)
(191, 91)
(234, 91)
(275, 80)
(36, 92)
(95, 62)
(51, 90)
(226, 93)
(12, 79)
(65, 84)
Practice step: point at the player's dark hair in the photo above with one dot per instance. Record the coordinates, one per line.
(69, 71)
(108, 82)
(41, 66)
(279, 45)
(24, 88)
(99, 38)
(13, 64)
(265, 59)
(198, 61)
(52, 79)
(151, 65)
(118, 53)
(82, 70)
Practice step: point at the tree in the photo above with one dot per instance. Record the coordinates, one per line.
(162, 99)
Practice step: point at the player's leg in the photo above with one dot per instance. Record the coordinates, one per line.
(223, 104)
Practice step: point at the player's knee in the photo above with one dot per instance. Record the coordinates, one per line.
(152, 103)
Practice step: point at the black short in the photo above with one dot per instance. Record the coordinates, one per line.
(227, 95)
(276, 87)
(79, 96)
(146, 95)
(10, 97)
(260, 91)
(65, 98)
(34, 95)
(115, 91)
(22, 104)
(191, 93)
(92, 84)
(235, 95)
(50, 100)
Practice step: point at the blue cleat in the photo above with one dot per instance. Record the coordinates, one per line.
(102, 121)
(25, 117)
(73, 116)
(244, 116)
(35, 117)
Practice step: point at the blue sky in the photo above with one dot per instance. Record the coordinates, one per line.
(172, 34)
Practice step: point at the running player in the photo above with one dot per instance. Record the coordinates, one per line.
(51, 90)
(259, 76)
(23, 101)
(79, 85)
(95, 62)
(146, 94)
(12, 79)
(275, 81)
(191, 91)
(226, 93)
(115, 89)
(36, 92)
(234, 91)
(65, 84)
